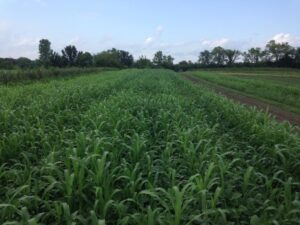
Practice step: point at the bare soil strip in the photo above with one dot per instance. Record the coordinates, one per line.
(279, 113)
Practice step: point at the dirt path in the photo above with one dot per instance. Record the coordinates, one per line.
(279, 113)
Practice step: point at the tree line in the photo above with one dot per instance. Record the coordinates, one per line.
(274, 54)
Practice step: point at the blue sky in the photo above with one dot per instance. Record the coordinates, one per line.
(179, 27)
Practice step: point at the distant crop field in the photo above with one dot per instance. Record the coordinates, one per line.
(276, 85)
(282, 80)
(28, 75)
(256, 71)
(142, 147)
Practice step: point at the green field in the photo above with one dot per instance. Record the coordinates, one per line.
(9, 77)
(143, 147)
(278, 86)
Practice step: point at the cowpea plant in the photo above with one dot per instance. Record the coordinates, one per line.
(142, 147)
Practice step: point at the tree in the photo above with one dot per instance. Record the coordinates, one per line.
(184, 65)
(297, 57)
(24, 63)
(231, 56)
(218, 56)
(278, 51)
(205, 58)
(253, 55)
(45, 52)
(158, 59)
(161, 60)
(70, 54)
(114, 58)
(143, 62)
(7, 63)
(107, 58)
(84, 59)
(167, 61)
(57, 60)
(125, 58)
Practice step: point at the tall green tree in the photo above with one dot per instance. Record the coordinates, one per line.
(158, 59)
(297, 56)
(168, 61)
(84, 59)
(184, 65)
(205, 58)
(70, 54)
(253, 55)
(7, 63)
(218, 56)
(58, 60)
(45, 52)
(24, 63)
(125, 58)
(161, 60)
(278, 51)
(231, 56)
(143, 62)
(107, 58)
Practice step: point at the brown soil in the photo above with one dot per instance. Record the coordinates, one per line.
(279, 113)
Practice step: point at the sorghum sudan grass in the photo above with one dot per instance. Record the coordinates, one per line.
(142, 147)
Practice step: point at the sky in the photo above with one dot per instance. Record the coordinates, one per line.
(181, 28)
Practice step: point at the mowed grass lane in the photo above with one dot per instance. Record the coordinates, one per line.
(142, 147)
(282, 90)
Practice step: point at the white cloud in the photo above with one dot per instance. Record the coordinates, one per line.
(214, 43)
(149, 40)
(287, 37)
(155, 38)
(282, 37)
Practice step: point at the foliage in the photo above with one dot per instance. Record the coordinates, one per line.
(158, 58)
(70, 54)
(254, 55)
(21, 63)
(278, 51)
(205, 58)
(218, 56)
(143, 62)
(142, 147)
(85, 59)
(184, 66)
(231, 56)
(25, 63)
(45, 52)
(274, 54)
(56, 60)
(114, 58)
(162, 61)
